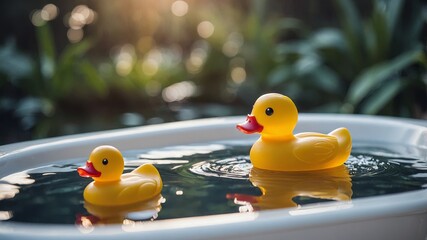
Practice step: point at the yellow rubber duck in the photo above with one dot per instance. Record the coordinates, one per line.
(112, 188)
(275, 116)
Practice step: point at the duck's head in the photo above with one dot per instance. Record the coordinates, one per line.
(105, 164)
(273, 116)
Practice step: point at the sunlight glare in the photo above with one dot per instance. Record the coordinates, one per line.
(8, 191)
(5, 215)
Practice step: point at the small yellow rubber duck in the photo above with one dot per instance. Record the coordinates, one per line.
(275, 116)
(112, 188)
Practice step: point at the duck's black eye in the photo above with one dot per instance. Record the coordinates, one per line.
(269, 111)
(105, 161)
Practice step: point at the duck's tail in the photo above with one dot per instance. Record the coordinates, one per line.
(149, 171)
(344, 142)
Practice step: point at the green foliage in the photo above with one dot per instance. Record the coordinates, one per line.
(69, 73)
(370, 63)
(381, 82)
(14, 65)
(50, 77)
(361, 67)
(34, 87)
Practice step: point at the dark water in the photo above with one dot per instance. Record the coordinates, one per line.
(210, 179)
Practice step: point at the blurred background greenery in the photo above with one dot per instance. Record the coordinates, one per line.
(78, 66)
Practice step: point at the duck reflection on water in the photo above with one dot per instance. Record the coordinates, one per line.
(127, 214)
(281, 189)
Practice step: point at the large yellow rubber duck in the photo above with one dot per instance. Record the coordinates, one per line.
(112, 188)
(275, 116)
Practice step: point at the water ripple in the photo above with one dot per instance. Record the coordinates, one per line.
(359, 165)
(234, 168)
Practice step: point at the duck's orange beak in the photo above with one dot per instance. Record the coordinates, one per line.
(88, 170)
(250, 125)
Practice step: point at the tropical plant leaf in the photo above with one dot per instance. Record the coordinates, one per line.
(393, 14)
(46, 50)
(292, 24)
(92, 78)
(326, 80)
(14, 64)
(328, 38)
(67, 66)
(414, 26)
(380, 35)
(307, 64)
(331, 107)
(294, 48)
(382, 96)
(374, 76)
(280, 75)
(350, 16)
(353, 30)
(74, 50)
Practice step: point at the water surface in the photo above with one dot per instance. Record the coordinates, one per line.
(208, 179)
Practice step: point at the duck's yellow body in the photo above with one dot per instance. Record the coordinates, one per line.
(112, 188)
(275, 116)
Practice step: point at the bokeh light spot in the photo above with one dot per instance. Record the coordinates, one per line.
(150, 67)
(233, 44)
(238, 75)
(205, 29)
(75, 35)
(179, 8)
(124, 59)
(49, 12)
(36, 19)
(152, 61)
(123, 68)
(178, 91)
(81, 16)
(197, 57)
